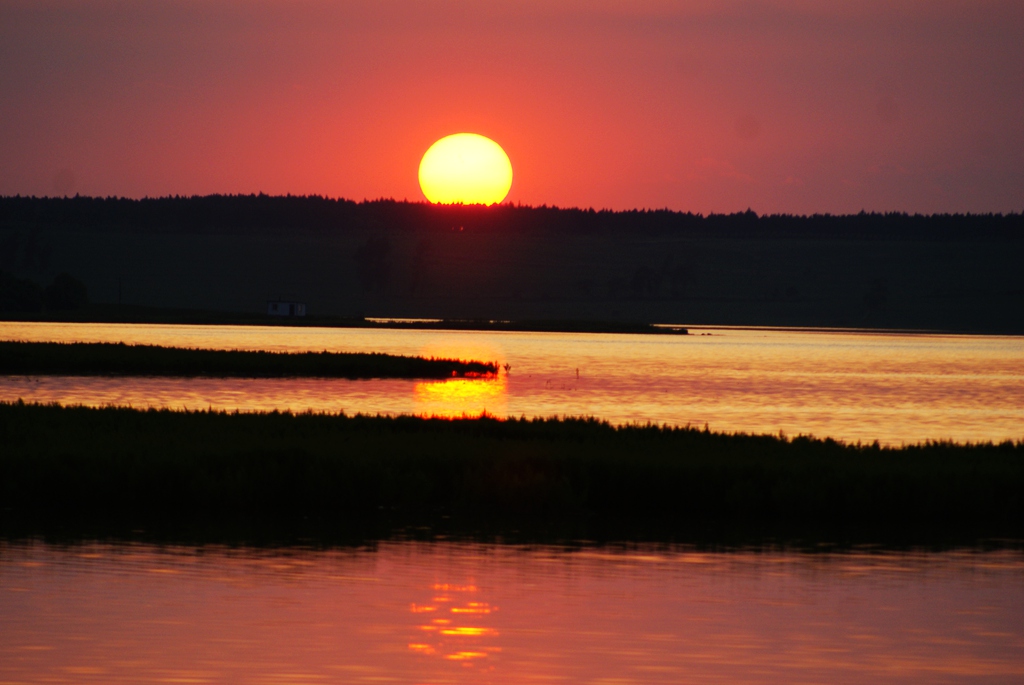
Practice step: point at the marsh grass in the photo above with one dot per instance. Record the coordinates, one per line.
(118, 359)
(75, 463)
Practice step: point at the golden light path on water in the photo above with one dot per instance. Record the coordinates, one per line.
(853, 386)
(447, 612)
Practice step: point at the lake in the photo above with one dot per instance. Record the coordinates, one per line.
(451, 612)
(849, 385)
(446, 611)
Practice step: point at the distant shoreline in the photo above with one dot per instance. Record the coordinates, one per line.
(130, 314)
(508, 267)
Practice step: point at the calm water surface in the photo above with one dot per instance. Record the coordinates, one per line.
(447, 612)
(461, 613)
(853, 386)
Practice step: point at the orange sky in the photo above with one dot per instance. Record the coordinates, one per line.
(786, 106)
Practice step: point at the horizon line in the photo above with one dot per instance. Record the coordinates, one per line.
(505, 205)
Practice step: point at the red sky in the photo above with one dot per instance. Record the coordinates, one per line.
(782, 106)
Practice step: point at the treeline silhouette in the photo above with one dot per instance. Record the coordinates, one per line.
(263, 214)
(25, 296)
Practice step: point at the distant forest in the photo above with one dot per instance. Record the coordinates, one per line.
(264, 214)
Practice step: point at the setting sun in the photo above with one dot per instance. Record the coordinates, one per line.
(465, 168)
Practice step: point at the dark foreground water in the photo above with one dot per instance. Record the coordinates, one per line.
(411, 612)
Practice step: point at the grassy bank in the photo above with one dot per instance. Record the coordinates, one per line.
(93, 359)
(129, 466)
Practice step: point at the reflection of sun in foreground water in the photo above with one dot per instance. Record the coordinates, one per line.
(457, 397)
(453, 626)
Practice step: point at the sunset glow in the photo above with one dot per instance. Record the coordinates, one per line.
(447, 341)
(465, 168)
(723, 106)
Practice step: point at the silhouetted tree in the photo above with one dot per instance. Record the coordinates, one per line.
(66, 293)
(645, 282)
(19, 295)
(373, 263)
(418, 264)
(876, 296)
(9, 245)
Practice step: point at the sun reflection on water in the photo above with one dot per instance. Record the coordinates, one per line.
(455, 398)
(455, 629)
(458, 397)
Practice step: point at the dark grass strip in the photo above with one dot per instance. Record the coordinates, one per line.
(124, 464)
(118, 359)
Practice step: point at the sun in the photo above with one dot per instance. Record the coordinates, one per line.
(465, 168)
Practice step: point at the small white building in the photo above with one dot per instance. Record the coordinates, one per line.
(283, 308)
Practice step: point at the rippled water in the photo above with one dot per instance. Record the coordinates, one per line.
(462, 613)
(449, 612)
(849, 385)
